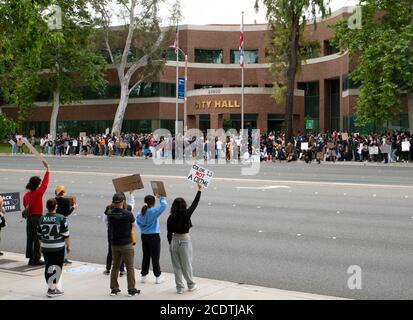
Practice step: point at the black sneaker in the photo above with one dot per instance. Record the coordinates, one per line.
(106, 272)
(122, 273)
(1, 254)
(31, 263)
(133, 292)
(38, 263)
(114, 292)
(67, 261)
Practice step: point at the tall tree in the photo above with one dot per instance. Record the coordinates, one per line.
(36, 58)
(6, 126)
(141, 41)
(383, 47)
(288, 19)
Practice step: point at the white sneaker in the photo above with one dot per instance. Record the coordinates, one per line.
(195, 287)
(143, 279)
(159, 280)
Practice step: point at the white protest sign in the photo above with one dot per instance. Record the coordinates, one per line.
(405, 146)
(33, 150)
(74, 143)
(374, 150)
(200, 174)
(12, 142)
(304, 145)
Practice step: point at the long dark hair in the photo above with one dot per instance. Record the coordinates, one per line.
(149, 202)
(178, 211)
(33, 183)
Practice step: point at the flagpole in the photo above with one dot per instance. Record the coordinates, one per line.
(242, 78)
(177, 81)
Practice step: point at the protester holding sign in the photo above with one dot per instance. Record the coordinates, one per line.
(53, 232)
(2, 219)
(148, 221)
(33, 201)
(120, 225)
(179, 223)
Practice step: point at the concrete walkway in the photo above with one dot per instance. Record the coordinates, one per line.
(86, 281)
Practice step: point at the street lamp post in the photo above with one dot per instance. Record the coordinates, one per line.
(177, 89)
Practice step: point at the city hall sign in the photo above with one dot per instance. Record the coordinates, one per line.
(222, 104)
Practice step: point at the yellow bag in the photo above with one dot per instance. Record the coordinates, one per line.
(133, 237)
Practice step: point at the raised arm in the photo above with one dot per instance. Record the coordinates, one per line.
(194, 204)
(45, 182)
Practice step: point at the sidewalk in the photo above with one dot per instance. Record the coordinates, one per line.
(86, 281)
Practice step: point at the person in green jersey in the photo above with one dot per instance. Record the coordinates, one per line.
(53, 233)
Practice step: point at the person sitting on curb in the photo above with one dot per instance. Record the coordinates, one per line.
(64, 208)
(148, 221)
(120, 225)
(180, 244)
(53, 233)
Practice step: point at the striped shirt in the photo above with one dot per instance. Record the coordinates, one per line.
(52, 231)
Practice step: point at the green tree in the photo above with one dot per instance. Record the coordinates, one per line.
(37, 58)
(141, 44)
(6, 126)
(383, 49)
(288, 18)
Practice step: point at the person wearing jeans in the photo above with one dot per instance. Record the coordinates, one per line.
(120, 225)
(148, 221)
(179, 223)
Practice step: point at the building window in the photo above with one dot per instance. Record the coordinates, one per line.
(311, 102)
(329, 48)
(245, 86)
(209, 56)
(250, 56)
(207, 86)
(348, 83)
(311, 51)
(170, 55)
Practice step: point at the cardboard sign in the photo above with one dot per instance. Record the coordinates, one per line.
(200, 174)
(385, 148)
(32, 132)
(405, 146)
(331, 145)
(82, 134)
(71, 199)
(158, 188)
(129, 183)
(304, 145)
(374, 150)
(11, 201)
(344, 136)
(33, 150)
(12, 142)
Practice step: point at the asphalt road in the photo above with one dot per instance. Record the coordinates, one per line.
(293, 226)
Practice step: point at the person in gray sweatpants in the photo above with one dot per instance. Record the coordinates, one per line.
(179, 223)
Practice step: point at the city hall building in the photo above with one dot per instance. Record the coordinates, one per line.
(324, 98)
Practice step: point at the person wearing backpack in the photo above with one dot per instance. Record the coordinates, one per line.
(33, 204)
(148, 221)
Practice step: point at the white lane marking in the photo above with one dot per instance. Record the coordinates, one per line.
(232, 180)
(263, 188)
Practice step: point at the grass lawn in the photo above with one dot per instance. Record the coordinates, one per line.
(6, 148)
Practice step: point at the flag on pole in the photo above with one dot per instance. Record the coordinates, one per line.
(241, 46)
(175, 45)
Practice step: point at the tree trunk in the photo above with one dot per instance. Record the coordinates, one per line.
(292, 70)
(55, 112)
(120, 112)
(410, 111)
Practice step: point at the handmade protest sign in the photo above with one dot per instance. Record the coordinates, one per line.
(405, 146)
(11, 201)
(331, 145)
(34, 151)
(200, 174)
(129, 183)
(12, 142)
(82, 134)
(374, 151)
(304, 145)
(158, 188)
(385, 148)
(344, 136)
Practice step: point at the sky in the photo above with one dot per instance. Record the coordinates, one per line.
(228, 11)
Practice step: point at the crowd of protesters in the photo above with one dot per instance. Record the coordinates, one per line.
(337, 146)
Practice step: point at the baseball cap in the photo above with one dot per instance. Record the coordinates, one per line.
(118, 197)
(59, 189)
